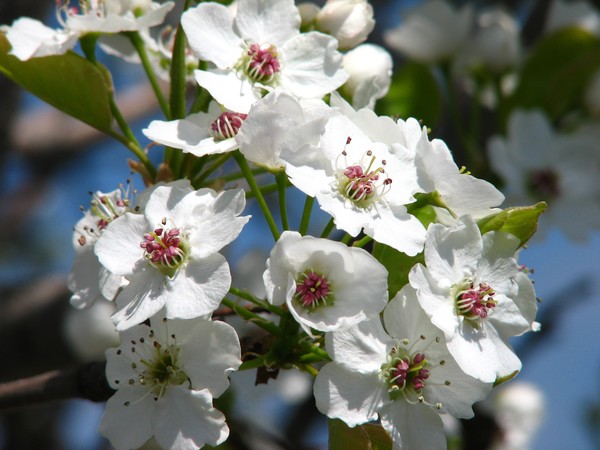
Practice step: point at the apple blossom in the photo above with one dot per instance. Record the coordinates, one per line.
(325, 284)
(472, 289)
(404, 375)
(166, 375)
(260, 48)
(169, 253)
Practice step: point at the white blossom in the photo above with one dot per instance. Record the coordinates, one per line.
(460, 192)
(349, 21)
(166, 376)
(370, 70)
(432, 32)
(363, 174)
(89, 280)
(404, 376)
(280, 123)
(325, 284)
(200, 133)
(538, 163)
(581, 13)
(260, 48)
(473, 290)
(169, 253)
(30, 38)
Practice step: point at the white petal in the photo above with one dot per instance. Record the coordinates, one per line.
(483, 354)
(362, 348)
(353, 397)
(216, 224)
(208, 353)
(267, 22)
(209, 30)
(84, 277)
(197, 288)
(312, 65)
(186, 420)
(30, 38)
(228, 88)
(414, 427)
(118, 249)
(129, 426)
(141, 299)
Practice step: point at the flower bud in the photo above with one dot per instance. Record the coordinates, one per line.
(308, 12)
(370, 70)
(497, 44)
(349, 21)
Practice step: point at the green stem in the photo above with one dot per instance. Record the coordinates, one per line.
(304, 222)
(364, 241)
(238, 175)
(218, 162)
(257, 193)
(346, 239)
(328, 228)
(254, 363)
(257, 301)
(282, 181)
(252, 317)
(138, 43)
(313, 349)
(310, 369)
(88, 45)
(268, 189)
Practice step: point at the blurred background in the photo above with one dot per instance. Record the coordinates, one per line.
(49, 164)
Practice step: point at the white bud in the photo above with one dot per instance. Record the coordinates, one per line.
(308, 12)
(432, 32)
(370, 70)
(349, 21)
(497, 43)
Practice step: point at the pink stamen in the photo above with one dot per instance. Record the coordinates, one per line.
(312, 290)
(227, 125)
(476, 303)
(263, 64)
(163, 247)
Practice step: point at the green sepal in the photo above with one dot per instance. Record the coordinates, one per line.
(68, 82)
(503, 379)
(423, 207)
(398, 265)
(414, 92)
(520, 221)
(368, 436)
(558, 71)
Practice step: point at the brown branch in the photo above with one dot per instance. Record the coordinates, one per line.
(87, 381)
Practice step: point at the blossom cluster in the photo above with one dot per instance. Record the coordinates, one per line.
(291, 90)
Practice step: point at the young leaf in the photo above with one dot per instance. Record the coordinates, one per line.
(368, 436)
(557, 72)
(414, 92)
(519, 221)
(68, 82)
(398, 265)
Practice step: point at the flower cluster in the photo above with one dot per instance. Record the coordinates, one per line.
(402, 306)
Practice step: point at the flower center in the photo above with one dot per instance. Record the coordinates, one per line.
(407, 370)
(363, 183)
(157, 368)
(260, 63)
(165, 249)
(227, 125)
(474, 303)
(104, 209)
(313, 290)
(543, 184)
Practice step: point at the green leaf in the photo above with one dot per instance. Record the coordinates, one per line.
(368, 437)
(414, 92)
(520, 221)
(558, 71)
(398, 265)
(68, 82)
